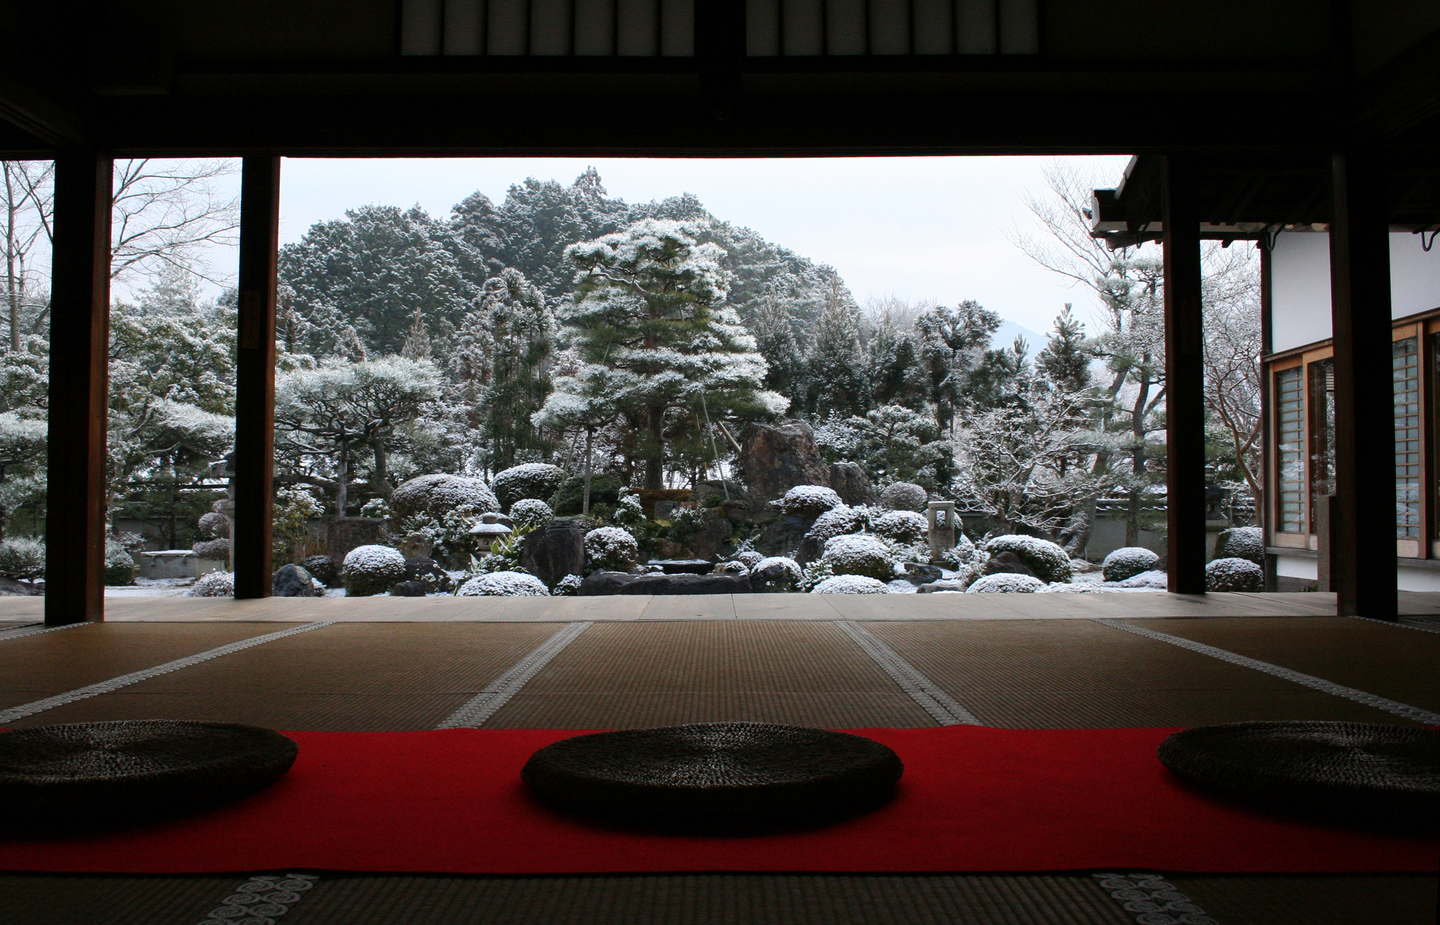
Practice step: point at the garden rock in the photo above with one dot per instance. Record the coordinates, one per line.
(1234, 574)
(554, 551)
(905, 496)
(776, 574)
(372, 569)
(292, 581)
(531, 480)
(943, 584)
(322, 568)
(852, 484)
(1007, 563)
(777, 457)
(1241, 543)
(1045, 559)
(919, 574)
(437, 495)
(410, 589)
(11, 587)
(625, 583)
(1127, 562)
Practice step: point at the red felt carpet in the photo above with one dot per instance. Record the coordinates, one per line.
(972, 799)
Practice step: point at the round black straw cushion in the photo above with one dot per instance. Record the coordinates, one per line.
(1368, 773)
(80, 776)
(716, 776)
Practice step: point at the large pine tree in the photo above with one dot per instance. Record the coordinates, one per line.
(838, 382)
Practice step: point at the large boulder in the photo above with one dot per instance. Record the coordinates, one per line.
(1046, 560)
(427, 572)
(9, 586)
(437, 495)
(625, 583)
(553, 551)
(1007, 563)
(777, 457)
(852, 484)
(292, 581)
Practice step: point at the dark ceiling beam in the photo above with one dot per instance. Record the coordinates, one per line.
(1404, 94)
(51, 124)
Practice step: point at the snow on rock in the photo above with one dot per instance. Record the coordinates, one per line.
(851, 584)
(905, 496)
(1241, 543)
(372, 569)
(1127, 562)
(902, 526)
(610, 549)
(776, 574)
(839, 521)
(528, 513)
(438, 495)
(1046, 559)
(527, 481)
(1005, 583)
(504, 584)
(213, 584)
(1153, 580)
(858, 554)
(901, 586)
(1234, 574)
(809, 500)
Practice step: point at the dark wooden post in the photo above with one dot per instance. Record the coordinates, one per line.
(255, 376)
(1362, 558)
(79, 380)
(1184, 379)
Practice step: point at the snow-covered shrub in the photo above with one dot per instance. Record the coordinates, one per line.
(529, 513)
(1127, 562)
(504, 584)
(568, 585)
(859, 554)
(1155, 580)
(1241, 543)
(905, 496)
(776, 574)
(902, 526)
(120, 567)
(213, 584)
(437, 495)
(1005, 583)
(212, 549)
(610, 549)
(371, 569)
(839, 521)
(22, 558)
(749, 558)
(959, 556)
(1046, 559)
(531, 480)
(629, 511)
(851, 584)
(213, 524)
(732, 568)
(377, 508)
(1234, 574)
(809, 501)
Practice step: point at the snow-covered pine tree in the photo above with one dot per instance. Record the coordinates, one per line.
(1066, 356)
(649, 317)
(775, 339)
(521, 335)
(838, 382)
(417, 340)
(952, 344)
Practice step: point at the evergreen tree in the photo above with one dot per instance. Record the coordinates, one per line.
(775, 339)
(837, 380)
(952, 344)
(417, 341)
(519, 329)
(1065, 360)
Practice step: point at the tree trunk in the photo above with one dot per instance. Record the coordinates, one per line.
(655, 461)
(589, 445)
(342, 479)
(380, 475)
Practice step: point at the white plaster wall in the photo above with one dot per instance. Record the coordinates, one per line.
(1302, 567)
(1406, 579)
(1300, 284)
(1418, 579)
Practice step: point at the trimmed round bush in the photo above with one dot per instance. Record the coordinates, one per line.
(212, 549)
(438, 495)
(838, 521)
(610, 549)
(120, 567)
(1241, 543)
(902, 526)
(214, 525)
(1046, 559)
(22, 558)
(1005, 583)
(504, 584)
(775, 574)
(568, 586)
(749, 558)
(905, 496)
(531, 480)
(372, 569)
(1127, 562)
(213, 584)
(851, 584)
(858, 554)
(809, 501)
(732, 568)
(529, 513)
(1234, 574)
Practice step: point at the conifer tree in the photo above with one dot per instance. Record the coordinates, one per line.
(838, 384)
(1065, 359)
(775, 339)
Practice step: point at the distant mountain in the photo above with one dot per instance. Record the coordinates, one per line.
(1009, 330)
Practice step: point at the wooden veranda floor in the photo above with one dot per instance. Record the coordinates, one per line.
(1017, 661)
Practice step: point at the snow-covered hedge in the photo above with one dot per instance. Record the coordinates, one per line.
(961, 555)
(504, 584)
(749, 558)
(213, 584)
(776, 574)
(859, 554)
(905, 496)
(610, 549)
(839, 521)
(1155, 580)
(22, 558)
(371, 569)
(851, 584)
(1234, 574)
(212, 549)
(1005, 583)
(902, 526)
(529, 513)
(732, 568)
(120, 567)
(809, 501)
(1241, 543)
(213, 524)
(531, 480)
(437, 495)
(1046, 559)
(1127, 562)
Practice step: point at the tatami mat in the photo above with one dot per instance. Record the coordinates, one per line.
(1314, 900)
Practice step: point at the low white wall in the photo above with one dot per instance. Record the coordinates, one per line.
(1415, 578)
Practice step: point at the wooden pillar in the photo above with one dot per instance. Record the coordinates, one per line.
(1363, 567)
(1184, 379)
(79, 379)
(252, 528)
(1267, 346)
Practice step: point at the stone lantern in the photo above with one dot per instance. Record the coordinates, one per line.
(491, 527)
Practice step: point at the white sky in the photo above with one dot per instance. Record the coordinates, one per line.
(917, 228)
